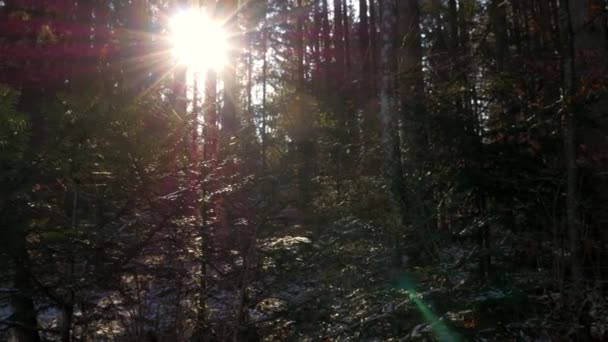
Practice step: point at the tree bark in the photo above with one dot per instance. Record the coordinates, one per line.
(364, 39)
(264, 93)
(316, 40)
(24, 311)
(300, 48)
(499, 24)
(373, 44)
(347, 59)
(569, 92)
(22, 301)
(453, 24)
(388, 117)
(230, 93)
(327, 48)
(338, 40)
(411, 79)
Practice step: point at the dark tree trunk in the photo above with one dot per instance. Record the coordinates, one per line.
(364, 38)
(415, 124)
(300, 48)
(373, 44)
(326, 33)
(264, 93)
(338, 40)
(390, 135)
(569, 90)
(24, 312)
(230, 93)
(453, 25)
(347, 59)
(316, 40)
(499, 22)
(22, 302)
(66, 323)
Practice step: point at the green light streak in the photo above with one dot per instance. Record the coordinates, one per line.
(440, 330)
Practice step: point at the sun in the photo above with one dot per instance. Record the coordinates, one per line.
(198, 41)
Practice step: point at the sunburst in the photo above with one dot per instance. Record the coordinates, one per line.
(198, 41)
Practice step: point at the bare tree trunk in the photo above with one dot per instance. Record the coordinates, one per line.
(229, 110)
(569, 91)
(179, 97)
(366, 82)
(373, 43)
(388, 111)
(548, 22)
(453, 25)
(338, 40)
(415, 123)
(22, 301)
(66, 323)
(545, 18)
(264, 91)
(347, 59)
(300, 48)
(499, 21)
(250, 121)
(316, 40)
(327, 48)
(517, 25)
(24, 312)
(364, 41)
(210, 224)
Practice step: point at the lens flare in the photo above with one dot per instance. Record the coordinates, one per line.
(199, 42)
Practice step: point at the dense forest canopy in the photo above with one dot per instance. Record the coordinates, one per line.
(303, 170)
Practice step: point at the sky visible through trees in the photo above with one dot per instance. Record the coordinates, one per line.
(303, 170)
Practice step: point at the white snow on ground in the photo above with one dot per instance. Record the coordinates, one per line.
(286, 242)
(490, 294)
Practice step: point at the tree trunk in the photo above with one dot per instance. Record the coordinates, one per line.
(210, 225)
(499, 21)
(373, 45)
(316, 41)
(388, 117)
(347, 59)
(179, 97)
(66, 323)
(364, 40)
(546, 26)
(230, 94)
(250, 121)
(300, 48)
(453, 23)
(327, 49)
(338, 41)
(569, 91)
(24, 312)
(415, 123)
(264, 93)
(22, 302)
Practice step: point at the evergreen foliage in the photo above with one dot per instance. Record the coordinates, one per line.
(373, 170)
